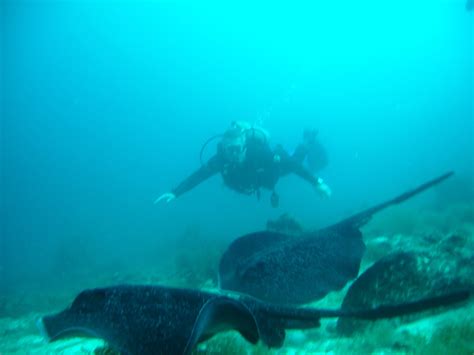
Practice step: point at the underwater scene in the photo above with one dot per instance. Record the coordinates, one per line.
(184, 177)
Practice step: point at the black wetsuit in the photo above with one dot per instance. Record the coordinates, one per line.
(261, 168)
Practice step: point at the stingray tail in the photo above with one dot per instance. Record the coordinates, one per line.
(403, 309)
(363, 217)
(308, 318)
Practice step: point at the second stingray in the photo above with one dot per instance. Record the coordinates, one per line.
(279, 268)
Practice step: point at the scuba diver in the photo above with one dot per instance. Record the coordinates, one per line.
(469, 5)
(247, 163)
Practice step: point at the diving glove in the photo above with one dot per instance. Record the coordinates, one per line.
(323, 189)
(167, 197)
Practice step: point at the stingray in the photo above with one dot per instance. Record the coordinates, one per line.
(281, 268)
(396, 277)
(139, 319)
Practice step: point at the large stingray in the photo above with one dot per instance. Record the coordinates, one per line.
(160, 320)
(280, 268)
(399, 276)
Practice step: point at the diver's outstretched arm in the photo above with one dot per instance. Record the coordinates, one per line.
(200, 175)
(293, 166)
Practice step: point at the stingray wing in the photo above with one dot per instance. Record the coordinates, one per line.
(134, 319)
(242, 251)
(223, 313)
(300, 271)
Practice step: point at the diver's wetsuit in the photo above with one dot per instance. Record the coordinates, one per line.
(261, 168)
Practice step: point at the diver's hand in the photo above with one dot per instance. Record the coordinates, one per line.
(167, 197)
(323, 189)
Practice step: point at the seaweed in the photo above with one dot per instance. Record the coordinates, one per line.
(453, 338)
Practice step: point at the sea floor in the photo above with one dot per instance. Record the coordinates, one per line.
(450, 332)
(444, 332)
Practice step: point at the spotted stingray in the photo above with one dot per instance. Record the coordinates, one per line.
(136, 319)
(282, 268)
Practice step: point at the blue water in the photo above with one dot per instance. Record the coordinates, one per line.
(106, 105)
